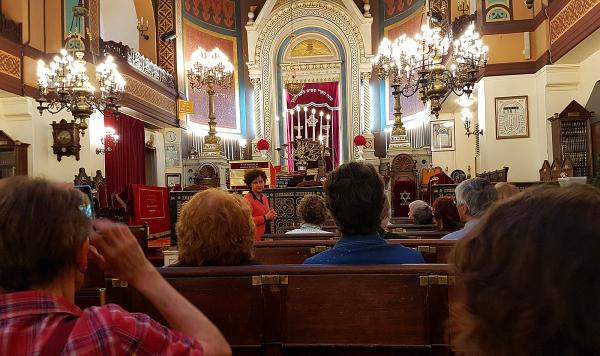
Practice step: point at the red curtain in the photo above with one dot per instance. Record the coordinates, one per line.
(125, 164)
(322, 97)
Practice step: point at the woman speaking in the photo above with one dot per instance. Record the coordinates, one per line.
(261, 213)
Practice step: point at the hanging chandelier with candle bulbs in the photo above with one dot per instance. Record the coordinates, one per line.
(65, 84)
(435, 62)
(292, 84)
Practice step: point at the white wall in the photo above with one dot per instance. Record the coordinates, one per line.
(159, 144)
(20, 119)
(522, 155)
(463, 155)
(549, 91)
(589, 75)
(118, 21)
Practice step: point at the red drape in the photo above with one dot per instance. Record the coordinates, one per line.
(125, 164)
(322, 97)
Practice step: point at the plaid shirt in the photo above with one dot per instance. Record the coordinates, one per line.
(27, 319)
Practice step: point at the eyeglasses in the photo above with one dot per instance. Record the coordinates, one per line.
(86, 210)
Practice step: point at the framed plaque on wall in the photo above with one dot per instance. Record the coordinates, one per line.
(512, 117)
(442, 135)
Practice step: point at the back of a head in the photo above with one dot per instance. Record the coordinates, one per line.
(354, 195)
(420, 212)
(477, 194)
(41, 227)
(527, 276)
(444, 210)
(505, 190)
(312, 210)
(215, 228)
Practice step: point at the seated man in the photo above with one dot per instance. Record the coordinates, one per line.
(313, 213)
(355, 198)
(46, 233)
(420, 212)
(473, 197)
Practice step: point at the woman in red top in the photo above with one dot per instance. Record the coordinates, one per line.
(261, 213)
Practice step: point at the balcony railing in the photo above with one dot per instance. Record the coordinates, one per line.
(10, 29)
(138, 61)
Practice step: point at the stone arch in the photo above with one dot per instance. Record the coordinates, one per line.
(274, 31)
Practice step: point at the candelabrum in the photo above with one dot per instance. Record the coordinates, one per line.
(65, 84)
(205, 72)
(308, 150)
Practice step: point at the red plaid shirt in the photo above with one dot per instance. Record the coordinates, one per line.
(27, 319)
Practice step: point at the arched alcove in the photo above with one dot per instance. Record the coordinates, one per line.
(339, 24)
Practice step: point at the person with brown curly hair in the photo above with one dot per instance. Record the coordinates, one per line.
(262, 215)
(215, 228)
(527, 276)
(313, 212)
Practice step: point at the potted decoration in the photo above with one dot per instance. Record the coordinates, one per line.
(262, 145)
(360, 141)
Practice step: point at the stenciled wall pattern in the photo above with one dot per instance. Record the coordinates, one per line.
(220, 13)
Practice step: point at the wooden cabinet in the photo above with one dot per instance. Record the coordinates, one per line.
(13, 156)
(571, 138)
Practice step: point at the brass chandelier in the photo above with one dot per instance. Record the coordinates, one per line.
(65, 84)
(292, 84)
(434, 63)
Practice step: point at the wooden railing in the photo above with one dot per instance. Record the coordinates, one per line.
(10, 29)
(138, 61)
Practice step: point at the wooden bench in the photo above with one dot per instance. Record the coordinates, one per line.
(410, 227)
(300, 309)
(290, 252)
(410, 234)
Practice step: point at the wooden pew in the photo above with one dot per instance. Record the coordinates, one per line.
(292, 237)
(300, 309)
(410, 234)
(295, 252)
(423, 227)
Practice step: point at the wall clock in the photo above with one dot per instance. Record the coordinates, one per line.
(66, 139)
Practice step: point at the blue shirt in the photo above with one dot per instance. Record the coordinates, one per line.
(366, 250)
(457, 235)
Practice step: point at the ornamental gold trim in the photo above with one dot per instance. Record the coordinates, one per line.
(150, 96)
(10, 65)
(574, 11)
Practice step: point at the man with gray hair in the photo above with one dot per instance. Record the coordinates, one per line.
(420, 212)
(473, 197)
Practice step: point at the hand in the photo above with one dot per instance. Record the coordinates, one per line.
(271, 215)
(117, 251)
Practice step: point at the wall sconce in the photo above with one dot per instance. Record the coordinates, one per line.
(109, 140)
(467, 117)
(142, 27)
